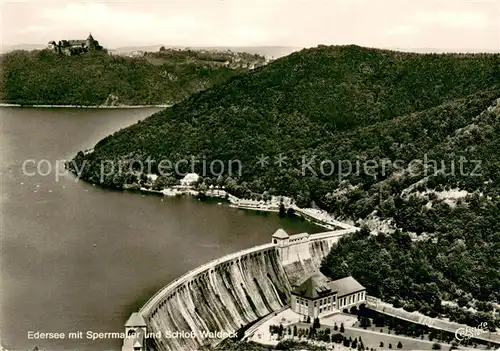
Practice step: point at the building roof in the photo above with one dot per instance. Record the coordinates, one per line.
(90, 37)
(190, 178)
(135, 320)
(317, 285)
(314, 286)
(347, 285)
(280, 234)
(78, 41)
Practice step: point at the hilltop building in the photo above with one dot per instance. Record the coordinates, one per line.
(318, 296)
(75, 47)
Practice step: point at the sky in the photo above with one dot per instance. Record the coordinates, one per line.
(437, 24)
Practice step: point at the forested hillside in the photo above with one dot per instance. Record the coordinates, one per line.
(335, 103)
(166, 77)
(344, 107)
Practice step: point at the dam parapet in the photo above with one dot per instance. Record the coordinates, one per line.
(215, 300)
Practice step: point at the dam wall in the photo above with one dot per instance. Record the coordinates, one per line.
(220, 296)
(233, 291)
(303, 257)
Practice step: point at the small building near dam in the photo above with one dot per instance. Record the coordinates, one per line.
(317, 295)
(135, 330)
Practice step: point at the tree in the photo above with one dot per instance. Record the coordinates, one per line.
(379, 320)
(162, 49)
(294, 330)
(325, 337)
(282, 210)
(365, 322)
(397, 303)
(316, 323)
(390, 346)
(312, 332)
(241, 332)
(342, 327)
(337, 338)
(436, 346)
(400, 345)
(347, 342)
(308, 319)
(381, 344)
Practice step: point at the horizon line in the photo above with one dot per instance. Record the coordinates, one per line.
(431, 49)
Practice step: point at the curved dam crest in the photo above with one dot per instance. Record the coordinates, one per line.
(233, 291)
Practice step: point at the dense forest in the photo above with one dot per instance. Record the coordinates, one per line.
(95, 78)
(328, 111)
(461, 265)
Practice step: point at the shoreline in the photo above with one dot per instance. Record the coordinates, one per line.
(323, 219)
(85, 106)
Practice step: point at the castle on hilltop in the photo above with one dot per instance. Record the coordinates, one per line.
(75, 47)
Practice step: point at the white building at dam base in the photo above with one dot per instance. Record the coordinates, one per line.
(318, 296)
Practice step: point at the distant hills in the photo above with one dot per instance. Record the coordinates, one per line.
(159, 78)
(9, 48)
(340, 128)
(266, 51)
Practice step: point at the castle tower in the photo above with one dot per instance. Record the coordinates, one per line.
(281, 240)
(90, 42)
(135, 331)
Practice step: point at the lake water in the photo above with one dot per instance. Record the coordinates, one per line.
(75, 257)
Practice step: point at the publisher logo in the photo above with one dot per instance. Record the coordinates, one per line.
(469, 332)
